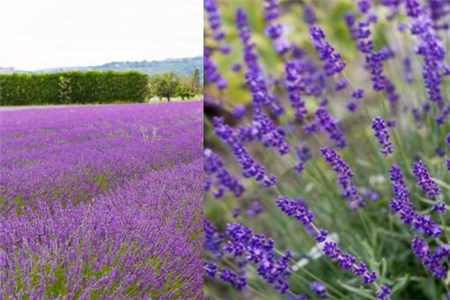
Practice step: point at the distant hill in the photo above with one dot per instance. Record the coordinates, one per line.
(180, 66)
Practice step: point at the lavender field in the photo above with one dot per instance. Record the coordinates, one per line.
(102, 202)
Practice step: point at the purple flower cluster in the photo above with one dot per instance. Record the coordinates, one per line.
(383, 293)
(332, 60)
(404, 208)
(215, 20)
(259, 250)
(273, 29)
(345, 177)
(303, 154)
(298, 209)
(329, 124)
(425, 182)
(430, 47)
(213, 238)
(212, 74)
(361, 33)
(250, 55)
(219, 177)
(433, 261)
(348, 262)
(318, 289)
(228, 276)
(293, 87)
(381, 133)
(270, 135)
(249, 166)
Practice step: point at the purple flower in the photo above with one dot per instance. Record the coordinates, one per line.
(210, 269)
(383, 293)
(346, 261)
(318, 288)
(345, 177)
(381, 133)
(212, 74)
(369, 277)
(228, 276)
(296, 208)
(303, 154)
(213, 238)
(403, 207)
(331, 59)
(430, 260)
(254, 209)
(329, 124)
(218, 176)
(293, 86)
(425, 182)
(310, 17)
(439, 207)
(239, 111)
(358, 94)
(407, 71)
(257, 249)
(331, 249)
(249, 166)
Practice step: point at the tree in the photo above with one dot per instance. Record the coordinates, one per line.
(164, 85)
(196, 81)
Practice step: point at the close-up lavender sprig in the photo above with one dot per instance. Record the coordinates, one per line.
(351, 118)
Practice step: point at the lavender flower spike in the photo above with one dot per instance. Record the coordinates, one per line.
(345, 177)
(381, 133)
(425, 182)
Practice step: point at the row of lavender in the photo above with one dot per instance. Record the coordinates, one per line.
(371, 128)
(101, 202)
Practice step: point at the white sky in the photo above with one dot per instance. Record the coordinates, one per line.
(37, 34)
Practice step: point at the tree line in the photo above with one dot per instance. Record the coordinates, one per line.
(95, 87)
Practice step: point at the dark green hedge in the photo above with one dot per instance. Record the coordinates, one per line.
(73, 87)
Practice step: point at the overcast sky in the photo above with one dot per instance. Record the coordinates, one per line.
(37, 34)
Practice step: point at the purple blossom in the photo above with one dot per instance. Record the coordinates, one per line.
(213, 238)
(430, 260)
(298, 209)
(257, 249)
(383, 293)
(403, 207)
(318, 288)
(424, 180)
(219, 177)
(254, 209)
(293, 86)
(249, 166)
(212, 74)
(381, 133)
(345, 177)
(303, 154)
(232, 278)
(210, 269)
(326, 122)
(331, 59)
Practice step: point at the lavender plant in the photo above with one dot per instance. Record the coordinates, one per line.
(101, 202)
(343, 140)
